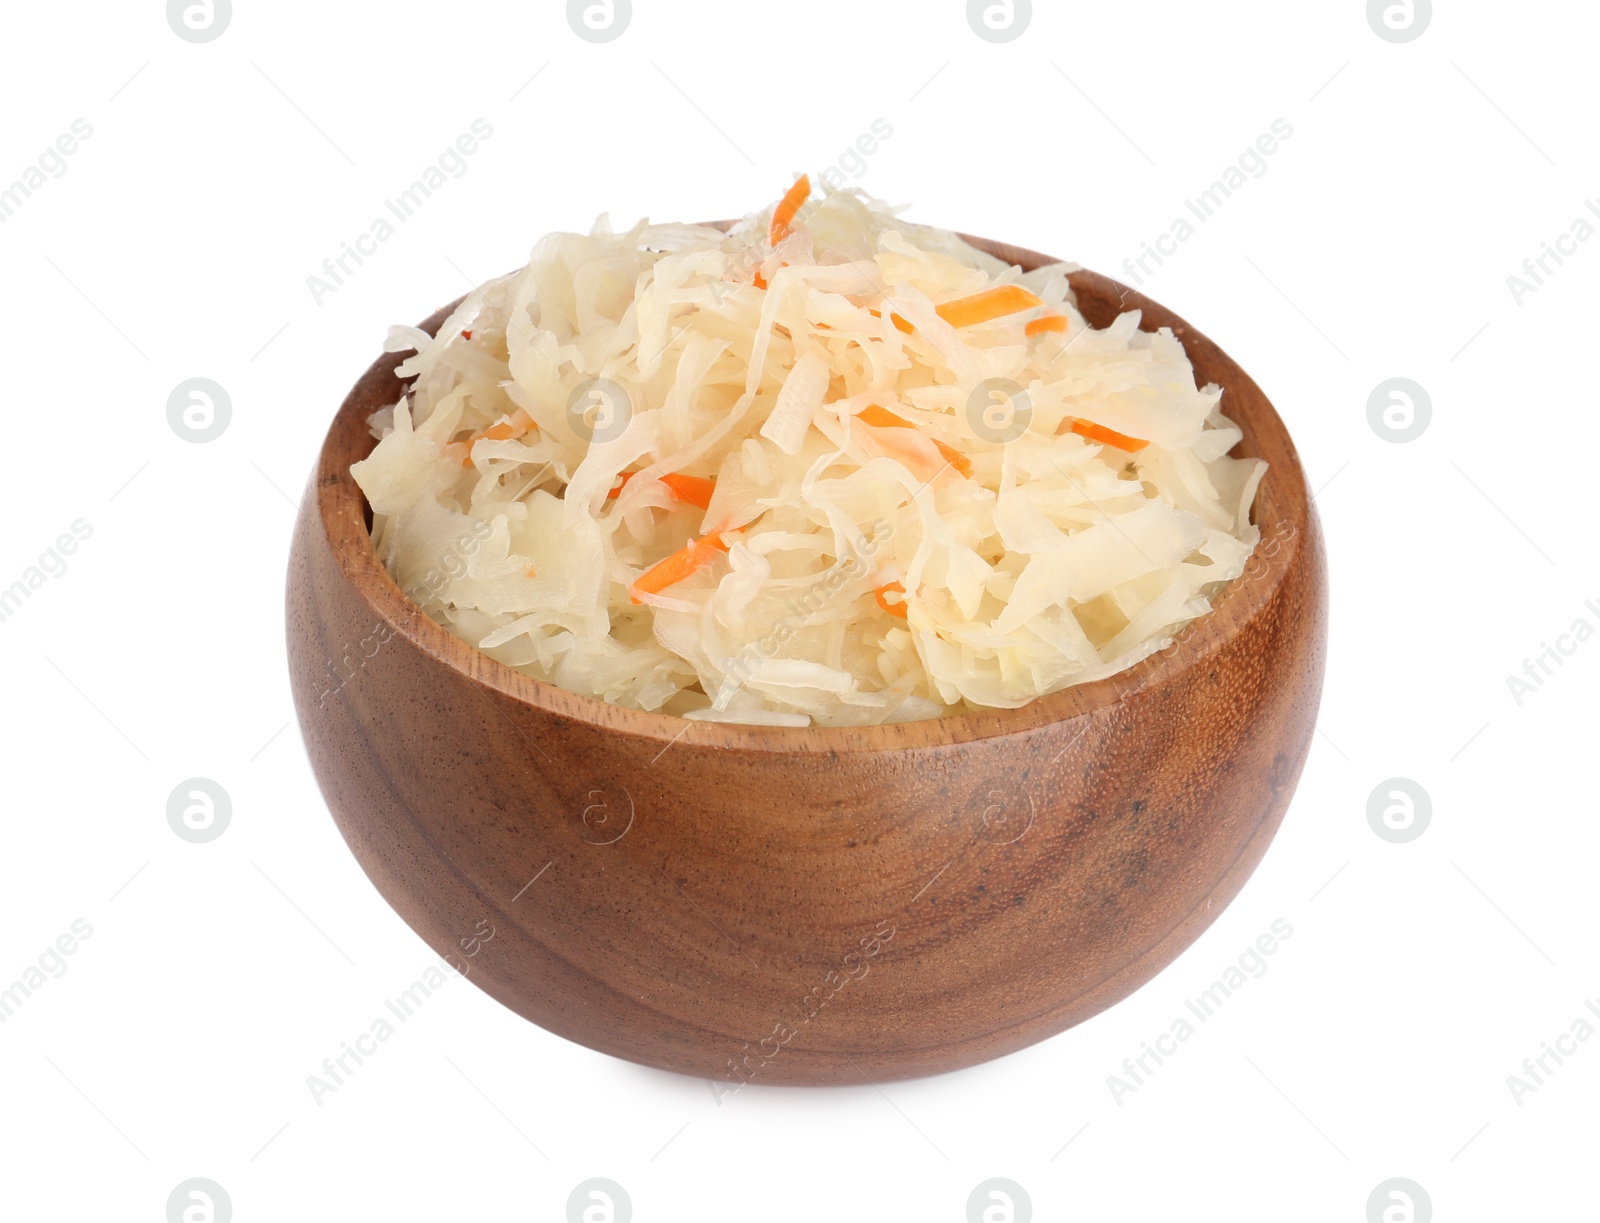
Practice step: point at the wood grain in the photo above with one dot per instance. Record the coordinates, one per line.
(822, 905)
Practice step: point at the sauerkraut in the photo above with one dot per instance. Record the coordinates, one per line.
(827, 468)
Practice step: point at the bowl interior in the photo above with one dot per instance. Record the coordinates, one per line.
(1282, 511)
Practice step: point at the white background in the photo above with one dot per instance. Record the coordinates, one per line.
(178, 243)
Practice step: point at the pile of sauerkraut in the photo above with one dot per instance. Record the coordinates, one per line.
(827, 467)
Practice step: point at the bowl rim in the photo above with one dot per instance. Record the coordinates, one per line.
(1283, 510)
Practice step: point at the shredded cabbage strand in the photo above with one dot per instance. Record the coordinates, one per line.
(686, 471)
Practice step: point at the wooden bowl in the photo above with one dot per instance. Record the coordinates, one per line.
(828, 905)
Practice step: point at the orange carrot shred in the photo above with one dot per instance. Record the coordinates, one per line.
(954, 457)
(899, 323)
(759, 280)
(685, 562)
(894, 609)
(1044, 323)
(872, 414)
(990, 304)
(519, 424)
(466, 335)
(692, 490)
(1103, 435)
(783, 214)
(882, 418)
